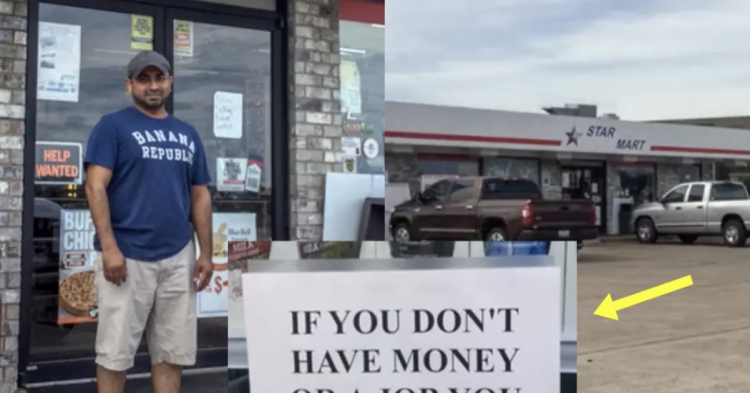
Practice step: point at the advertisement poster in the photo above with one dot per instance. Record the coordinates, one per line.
(418, 330)
(351, 95)
(227, 227)
(241, 254)
(254, 173)
(58, 163)
(77, 290)
(183, 38)
(228, 115)
(59, 67)
(231, 174)
(328, 250)
(141, 32)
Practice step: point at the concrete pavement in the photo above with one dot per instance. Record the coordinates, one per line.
(694, 340)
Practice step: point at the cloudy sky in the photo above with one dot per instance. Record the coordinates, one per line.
(643, 60)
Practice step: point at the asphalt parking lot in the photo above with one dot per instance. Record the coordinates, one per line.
(693, 340)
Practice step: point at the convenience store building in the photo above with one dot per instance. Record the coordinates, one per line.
(618, 164)
(283, 68)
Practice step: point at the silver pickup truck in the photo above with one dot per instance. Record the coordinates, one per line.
(690, 210)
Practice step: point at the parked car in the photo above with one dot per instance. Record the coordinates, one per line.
(691, 210)
(491, 209)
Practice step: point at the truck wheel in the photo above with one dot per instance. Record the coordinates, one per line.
(645, 231)
(688, 239)
(402, 233)
(734, 233)
(496, 235)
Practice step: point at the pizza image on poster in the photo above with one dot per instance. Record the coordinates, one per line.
(78, 295)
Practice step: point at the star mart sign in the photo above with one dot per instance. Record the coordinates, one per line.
(608, 133)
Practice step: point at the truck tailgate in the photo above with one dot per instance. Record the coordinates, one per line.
(562, 214)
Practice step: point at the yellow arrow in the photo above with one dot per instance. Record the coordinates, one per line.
(609, 308)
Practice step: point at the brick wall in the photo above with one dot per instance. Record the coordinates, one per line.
(315, 115)
(12, 112)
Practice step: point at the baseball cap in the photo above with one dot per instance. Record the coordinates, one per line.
(146, 59)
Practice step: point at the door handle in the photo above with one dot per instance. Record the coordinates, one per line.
(678, 208)
(438, 207)
(469, 207)
(699, 207)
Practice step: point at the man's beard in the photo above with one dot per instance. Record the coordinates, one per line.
(148, 105)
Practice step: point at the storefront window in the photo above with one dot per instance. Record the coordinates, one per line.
(636, 181)
(521, 168)
(688, 173)
(435, 166)
(734, 171)
(362, 74)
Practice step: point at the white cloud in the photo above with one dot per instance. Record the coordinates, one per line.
(675, 61)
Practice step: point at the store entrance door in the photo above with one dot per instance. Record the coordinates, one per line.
(587, 180)
(214, 50)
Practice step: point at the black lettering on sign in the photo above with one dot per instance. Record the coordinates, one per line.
(631, 144)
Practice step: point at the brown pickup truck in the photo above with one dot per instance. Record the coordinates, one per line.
(491, 209)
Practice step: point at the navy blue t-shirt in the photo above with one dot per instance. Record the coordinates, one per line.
(154, 164)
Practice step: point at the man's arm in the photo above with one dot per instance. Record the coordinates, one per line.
(201, 218)
(97, 180)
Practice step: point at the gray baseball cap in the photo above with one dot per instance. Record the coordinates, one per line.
(146, 59)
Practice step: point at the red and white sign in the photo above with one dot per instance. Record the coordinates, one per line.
(428, 125)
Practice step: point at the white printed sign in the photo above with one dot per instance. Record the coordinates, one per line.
(231, 174)
(59, 67)
(351, 146)
(409, 331)
(228, 115)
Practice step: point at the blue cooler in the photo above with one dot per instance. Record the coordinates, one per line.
(516, 248)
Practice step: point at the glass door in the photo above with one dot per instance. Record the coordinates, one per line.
(81, 60)
(223, 87)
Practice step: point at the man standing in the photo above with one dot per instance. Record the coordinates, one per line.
(146, 183)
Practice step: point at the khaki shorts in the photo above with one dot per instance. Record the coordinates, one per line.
(158, 298)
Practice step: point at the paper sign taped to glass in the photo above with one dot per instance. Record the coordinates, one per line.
(351, 94)
(141, 32)
(59, 66)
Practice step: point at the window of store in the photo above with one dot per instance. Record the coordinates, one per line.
(635, 180)
(520, 168)
(688, 173)
(449, 165)
(734, 171)
(362, 74)
(220, 62)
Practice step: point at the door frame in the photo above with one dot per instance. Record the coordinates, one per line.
(81, 369)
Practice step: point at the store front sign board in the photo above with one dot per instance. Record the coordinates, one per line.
(397, 323)
(58, 163)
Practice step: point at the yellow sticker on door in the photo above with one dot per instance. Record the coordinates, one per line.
(141, 32)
